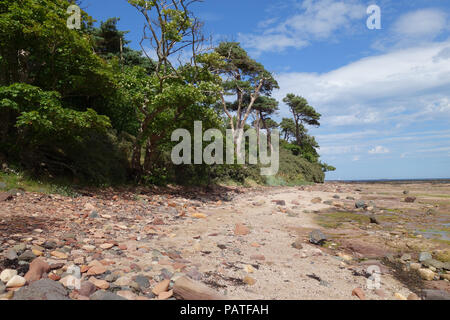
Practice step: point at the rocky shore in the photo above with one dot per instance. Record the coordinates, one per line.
(332, 241)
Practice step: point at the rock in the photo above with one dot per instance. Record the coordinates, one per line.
(433, 263)
(16, 282)
(7, 275)
(380, 292)
(350, 198)
(426, 274)
(96, 270)
(126, 294)
(2, 288)
(336, 196)
(4, 196)
(199, 215)
(161, 287)
(37, 268)
(399, 296)
(373, 219)
(187, 289)
(410, 199)
(27, 256)
(87, 288)
(59, 255)
(279, 202)
(50, 245)
(101, 284)
(89, 207)
(249, 269)
(405, 257)
(424, 256)
(165, 295)
(105, 295)
(415, 266)
(37, 252)
(413, 296)
(20, 247)
(241, 230)
(360, 204)
(106, 246)
(445, 276)
(435, 295)
(70, 281)
(123, 281)
(44, 289)
(358, 292)
(317, 237)
(298, 244)
(249, 280)
(316, 200)
(405, 192)
(94, 215)
(11, 254)
(142, 281)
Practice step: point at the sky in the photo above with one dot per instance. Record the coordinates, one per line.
(384, 94)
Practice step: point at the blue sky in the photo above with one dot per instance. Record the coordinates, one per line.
(384, 94)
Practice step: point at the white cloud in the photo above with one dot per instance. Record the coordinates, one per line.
(358, 91)
(421, 23)
(315, 20)
(379, 150)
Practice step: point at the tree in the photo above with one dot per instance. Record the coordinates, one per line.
(303, 114)
(287, 126)
(243, 78)
(171, 29)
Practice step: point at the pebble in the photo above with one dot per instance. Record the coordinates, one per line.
(59, 255)
(11, 254)
(249, 280)
(241, 230)
(161, 287)
(358, 292)
(426, 274)
(399, 296)
(165, 295)
(413, 296)
(87, 288)
(7, 275)
(317, 237)
(126, 294)
(101, 284)
(16, 282)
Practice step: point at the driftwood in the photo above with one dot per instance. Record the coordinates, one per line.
(187, 289)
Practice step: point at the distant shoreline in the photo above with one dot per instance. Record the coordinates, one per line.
(441, 180)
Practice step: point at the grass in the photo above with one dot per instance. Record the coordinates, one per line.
(21, 181)
(336, 219)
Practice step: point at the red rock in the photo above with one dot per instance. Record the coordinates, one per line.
(165, 295)
(161, 287)
(54, 277)
(122, 246)
(359, 293)
(84, 268)
(96, 270)
(37, 268)
(241, 230)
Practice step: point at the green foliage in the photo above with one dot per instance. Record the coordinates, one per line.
(81, 106)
